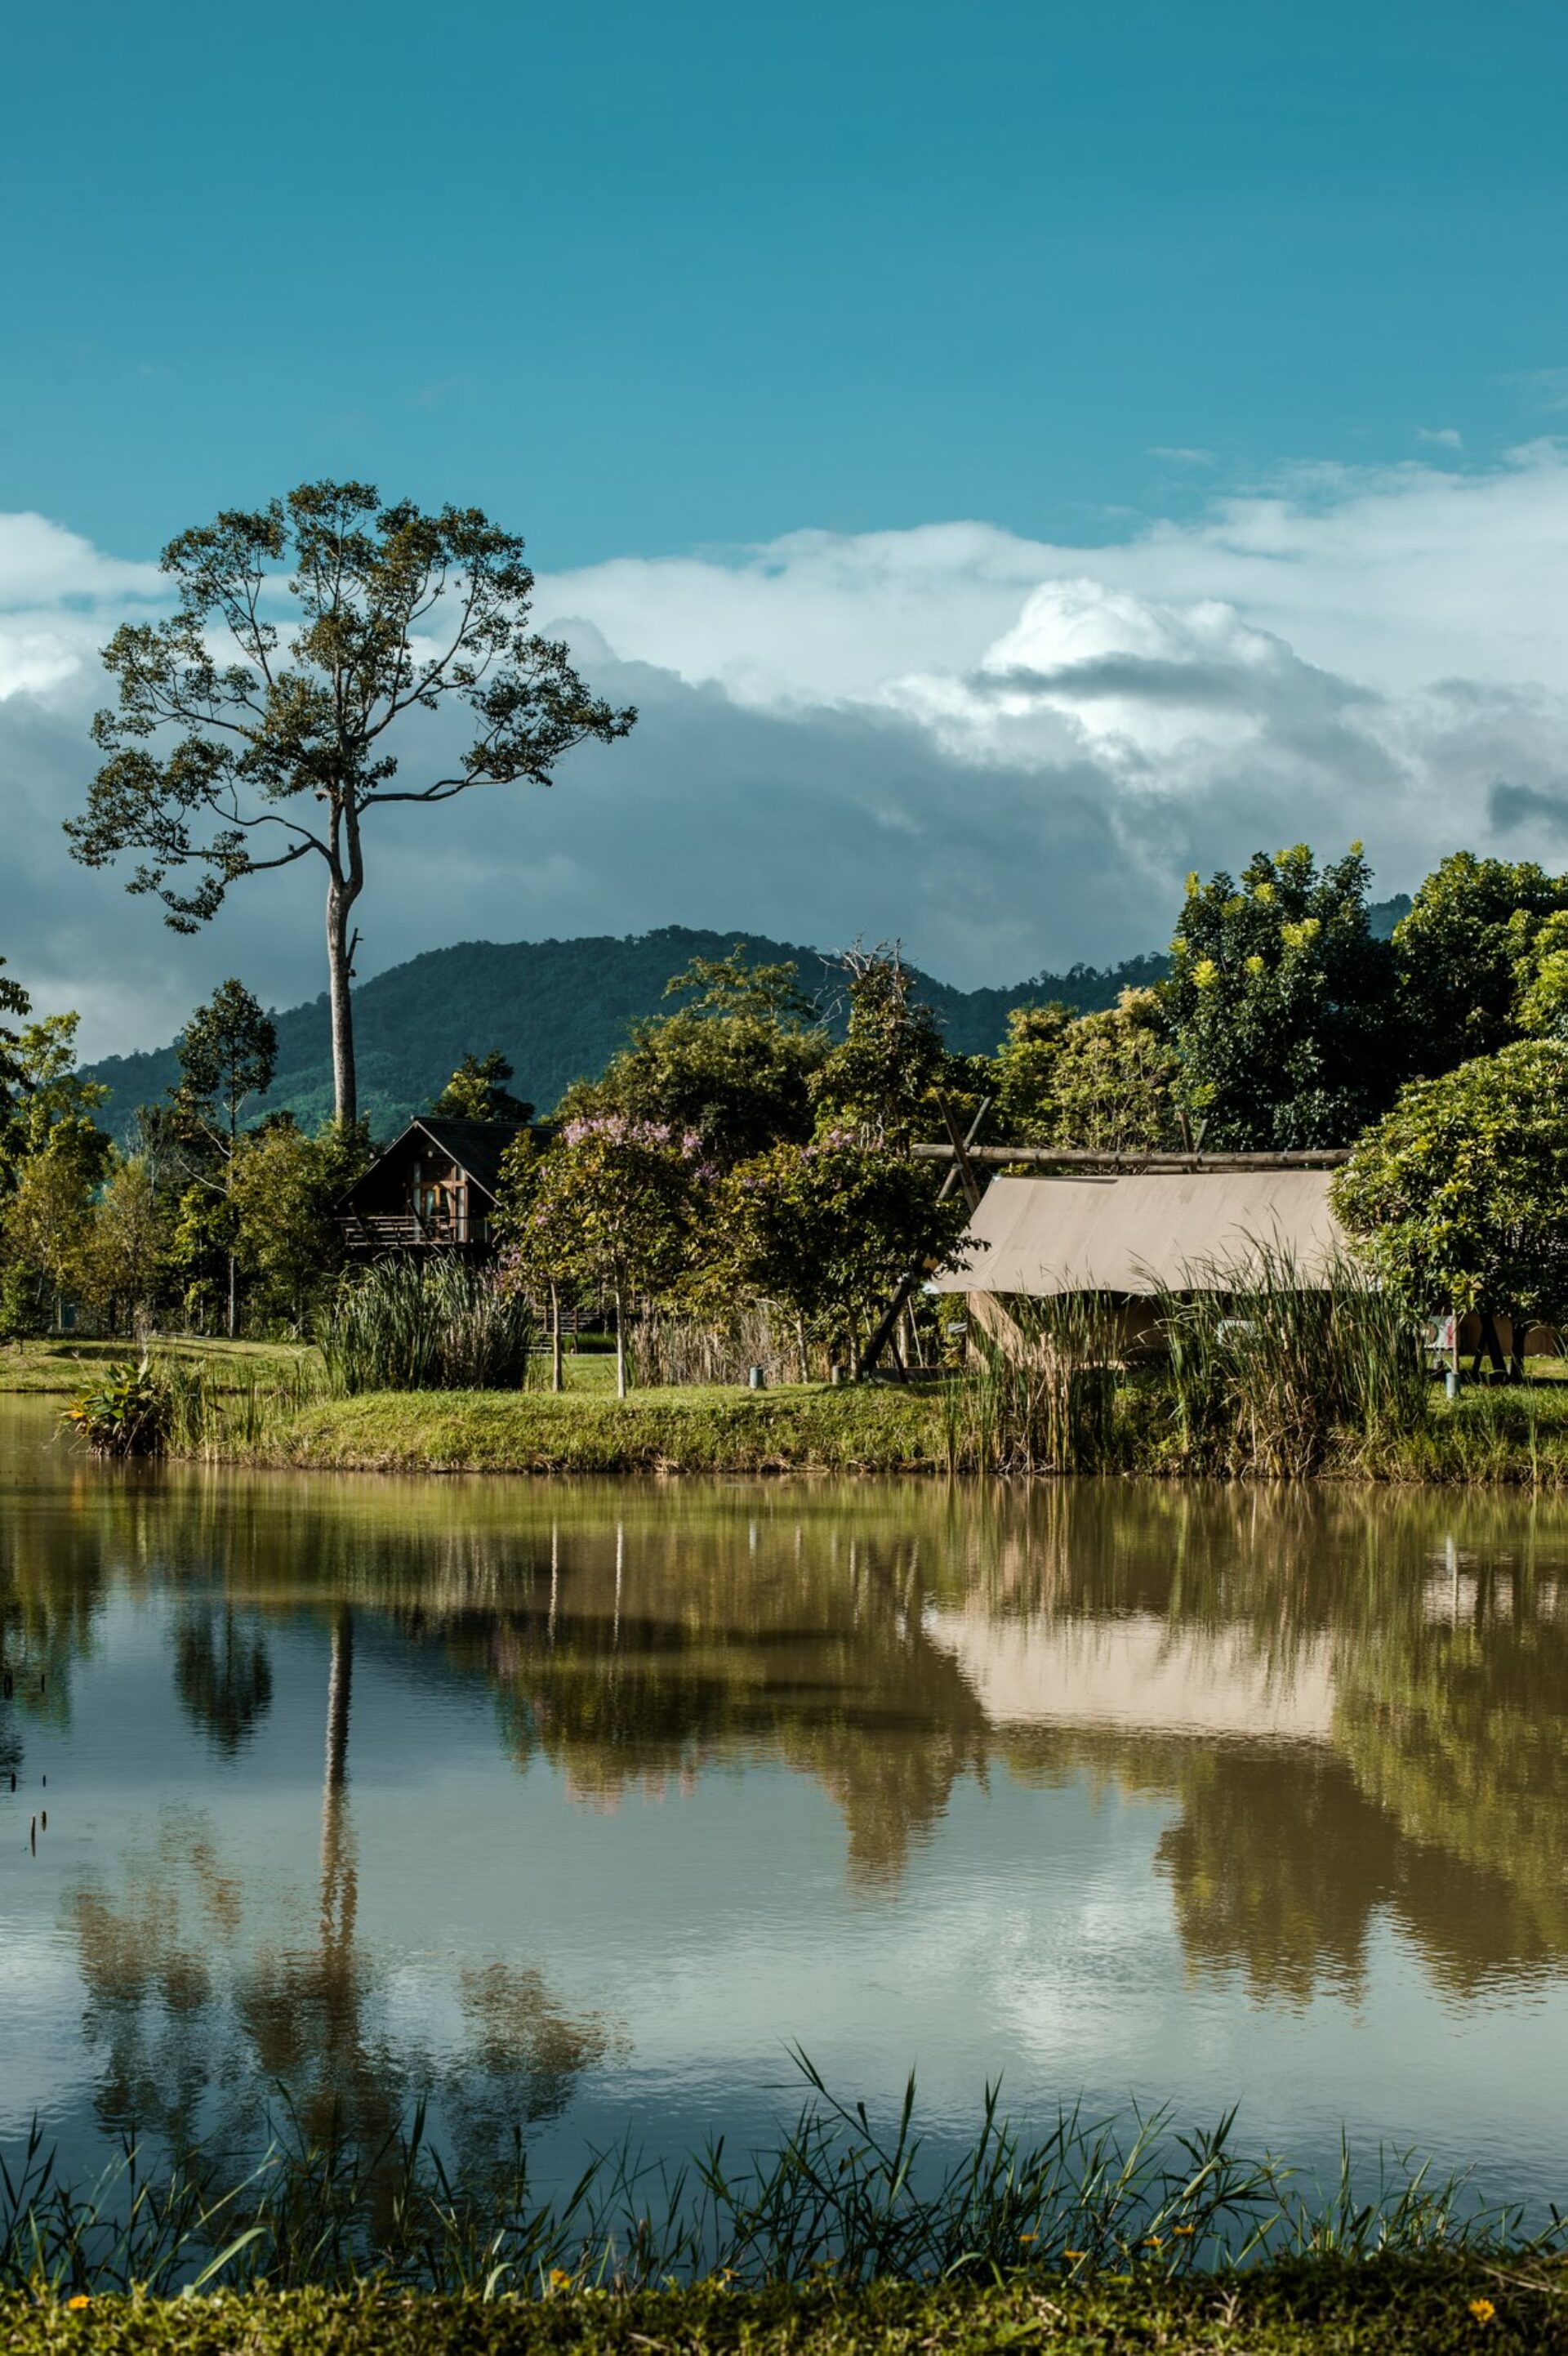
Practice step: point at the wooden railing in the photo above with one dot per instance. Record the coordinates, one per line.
(406, 1231)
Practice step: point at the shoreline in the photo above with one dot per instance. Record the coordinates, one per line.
(262, 1406)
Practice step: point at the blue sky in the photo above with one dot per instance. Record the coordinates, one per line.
(647, 277)
(1012, 455)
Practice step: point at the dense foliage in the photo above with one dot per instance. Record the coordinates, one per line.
(1460, 1193)
(1280, 1004)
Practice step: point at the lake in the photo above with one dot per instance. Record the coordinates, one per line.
(576, 1805)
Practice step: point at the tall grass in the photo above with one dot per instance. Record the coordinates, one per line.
(1244, 1369)
(432, 1325)
(1268, 1373)
(1043, 1399)
(841, 2192)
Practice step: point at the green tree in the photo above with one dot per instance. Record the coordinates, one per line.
(1024, 1085)
(54, 1159)
(477, 1090)
(236, 750)
(282, 1191)
(228, 1055)
(1281, 1005)
(614, 1203)
(1460, 1193)
(735, 1063)
(884, 1077)
(1104, 1082)
(128, 1246)
(1471, 929)
(826, 1231)
(13, 1000)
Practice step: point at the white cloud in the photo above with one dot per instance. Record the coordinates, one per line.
(1440, 437)
(1007, 751)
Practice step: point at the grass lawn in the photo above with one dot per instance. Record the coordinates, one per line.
(1385, 2306)
(859, 1428)
(66, 1366)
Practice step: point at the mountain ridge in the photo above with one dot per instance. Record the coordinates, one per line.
(559, 1010)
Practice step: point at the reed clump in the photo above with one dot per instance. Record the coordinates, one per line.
(1269, 1375)
(1246, 1369)
(841, 2198)
(432, 1324)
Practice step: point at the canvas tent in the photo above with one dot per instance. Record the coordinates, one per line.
(1131, 1233)
(1126, 1235)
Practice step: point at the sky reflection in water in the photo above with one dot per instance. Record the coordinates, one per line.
(571, 1805)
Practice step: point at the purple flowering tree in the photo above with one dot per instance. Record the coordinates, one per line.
(614, 1203)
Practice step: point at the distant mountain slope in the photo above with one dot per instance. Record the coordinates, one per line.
(558, 1009)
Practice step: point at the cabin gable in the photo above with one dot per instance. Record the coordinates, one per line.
(435, 1187)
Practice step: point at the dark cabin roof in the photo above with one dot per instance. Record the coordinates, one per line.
(476, 1147)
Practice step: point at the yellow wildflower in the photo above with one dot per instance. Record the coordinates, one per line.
(1182, 2233)
(1482, 2310)
(81, 2299)
(560, 2279)
(1153, 2242)
(1074, 2254)
(1029, 2237)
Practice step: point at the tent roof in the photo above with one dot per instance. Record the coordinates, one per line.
(1130, 1234)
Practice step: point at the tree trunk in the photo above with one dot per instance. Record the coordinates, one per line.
(232, 1292)
(620, 1350)
(340, 898)
(556, 1382)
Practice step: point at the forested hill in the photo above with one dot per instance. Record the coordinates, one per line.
(558, 1010)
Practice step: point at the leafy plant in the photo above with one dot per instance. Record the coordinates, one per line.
(128, 1414)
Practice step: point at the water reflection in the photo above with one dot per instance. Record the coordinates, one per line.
(1350, 1711)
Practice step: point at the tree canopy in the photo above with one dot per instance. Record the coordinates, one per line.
(1281, 1004)
(1460, 1193)
(1463, 952)
(240, 746)
(477, 1090)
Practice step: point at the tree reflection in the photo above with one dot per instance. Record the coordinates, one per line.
(223, 1675)
(1403, 1658)
(214, 2000)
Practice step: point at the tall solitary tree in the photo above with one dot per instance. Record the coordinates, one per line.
(240, 744)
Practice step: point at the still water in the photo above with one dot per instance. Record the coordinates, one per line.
(576, 1805)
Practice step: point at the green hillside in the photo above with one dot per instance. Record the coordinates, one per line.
(558, 1009)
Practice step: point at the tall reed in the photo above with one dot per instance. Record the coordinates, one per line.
(841, 2192)
(1269, 1370)
(437, 1323)
(1039, 1397)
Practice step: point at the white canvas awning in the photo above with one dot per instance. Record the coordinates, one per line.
(1132, 1234)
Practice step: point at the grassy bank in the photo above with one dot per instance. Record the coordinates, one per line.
(1385, 2306)
(270, 1405)
(1512, 1436)
(859, 1429)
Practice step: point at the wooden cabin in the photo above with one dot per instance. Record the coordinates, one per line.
(434, 1189)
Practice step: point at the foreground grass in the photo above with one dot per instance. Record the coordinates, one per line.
(1383, 2307)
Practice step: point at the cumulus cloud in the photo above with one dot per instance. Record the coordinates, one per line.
(1006, 751)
